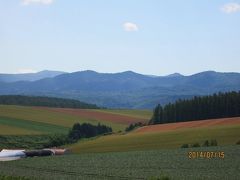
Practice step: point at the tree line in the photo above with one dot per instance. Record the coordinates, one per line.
(87, 130)
(44, 101)
(77, 132)
(219, 105)
(134, 126)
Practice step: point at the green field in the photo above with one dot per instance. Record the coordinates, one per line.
(146, 114)
(225, 135)
(118, 156)
(40, 127)
(16, 120)
(174, 164)
(10, 130)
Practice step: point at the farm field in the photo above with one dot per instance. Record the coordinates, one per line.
(35, 126)
(6, 130)
(142, 114)
(189, 124)
(103, 115)
(174, 164)
(38, 120)
(226, 134)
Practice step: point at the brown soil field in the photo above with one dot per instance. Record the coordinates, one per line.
(97, 115)
(189, 124)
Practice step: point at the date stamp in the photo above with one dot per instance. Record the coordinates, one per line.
(206, 154)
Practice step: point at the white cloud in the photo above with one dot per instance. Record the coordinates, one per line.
(42, 2)
(231, 8)
(26, 70)
(128, 26)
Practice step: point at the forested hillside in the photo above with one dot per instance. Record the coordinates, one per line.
(44, 101)
(125, 90)
(219, 105)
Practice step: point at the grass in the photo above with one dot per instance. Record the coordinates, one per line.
(144, 114)
(225, 135)
(37, 127)
(11, 130)
(136, 165)
(40, 115)
(120, 156)
(35, 120)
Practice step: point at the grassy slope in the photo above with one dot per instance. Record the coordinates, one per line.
(43, 120)
(162, 140)
(6, 130)
(129, 165)
(144, 114)
(39, 115)
(39, 127)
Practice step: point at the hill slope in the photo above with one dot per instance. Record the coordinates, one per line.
(16, 120)
(44, 101)
(226, 132)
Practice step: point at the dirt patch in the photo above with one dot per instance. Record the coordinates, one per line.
(93, 114)
(190, 124)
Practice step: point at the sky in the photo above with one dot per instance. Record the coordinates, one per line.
(155, 37)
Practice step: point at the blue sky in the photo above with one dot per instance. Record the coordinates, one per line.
(147, 36)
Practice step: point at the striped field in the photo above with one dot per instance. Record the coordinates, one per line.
(16, 120)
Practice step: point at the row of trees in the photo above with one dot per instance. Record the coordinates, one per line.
(44, 101)
(219, 105)
(87, 130)
(134, 126)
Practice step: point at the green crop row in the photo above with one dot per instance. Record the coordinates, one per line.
(172, 164)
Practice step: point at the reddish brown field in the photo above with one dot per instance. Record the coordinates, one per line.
(190, 124)
(97, 115)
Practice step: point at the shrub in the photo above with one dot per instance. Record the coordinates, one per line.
(206, 143)
(133, 126)
(213, 142)
(57, 140)
(196, 145)
(185, 146)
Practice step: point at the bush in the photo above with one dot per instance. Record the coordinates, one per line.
(206, 143)
(196, 145)
(133, 126)
(185, 146)
(57, 140)
(32, 141)
(213, 142)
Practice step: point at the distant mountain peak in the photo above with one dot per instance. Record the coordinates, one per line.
(89, 71)
(175, 75)
(50, 71)
(29, 76)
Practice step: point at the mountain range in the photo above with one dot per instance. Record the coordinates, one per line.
(119, 90)
(29, 76)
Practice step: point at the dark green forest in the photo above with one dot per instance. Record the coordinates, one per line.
(44, 101)
(87, 130)
(219, 105)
